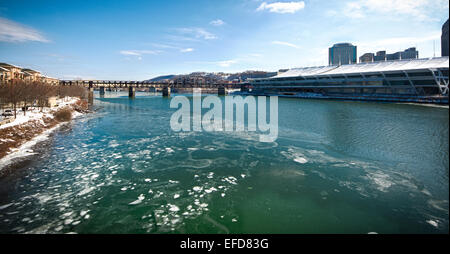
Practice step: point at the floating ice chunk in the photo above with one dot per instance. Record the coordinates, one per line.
(300, 160)
(233, 220)
(85, 191)
(5, 206)
(124, 189)
(230, 179)
(433, 223)
(223, 195)
(173, 208)
(148, 180)
(197, 188)
(68, 221)
(83, 213)
(210, 190)
(169, 150)
(176, 196)
(243, 175)
(139, 200)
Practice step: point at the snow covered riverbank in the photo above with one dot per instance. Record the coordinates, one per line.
(18, 137)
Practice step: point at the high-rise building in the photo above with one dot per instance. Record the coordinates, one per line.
(444, 39)
(342, 53)
(366, 58)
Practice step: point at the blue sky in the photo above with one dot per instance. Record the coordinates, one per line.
(136, 40)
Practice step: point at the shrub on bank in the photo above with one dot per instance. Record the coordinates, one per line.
(63, 115)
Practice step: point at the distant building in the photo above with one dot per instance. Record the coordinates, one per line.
(3, 74)
(367, 58)
(31, 75)
(380, 56)
(410, 53)
(282, 70)
(444, 39)
(9, 72)
(341, 54)
(12, 72)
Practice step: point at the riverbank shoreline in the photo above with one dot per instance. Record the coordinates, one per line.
(19, 137)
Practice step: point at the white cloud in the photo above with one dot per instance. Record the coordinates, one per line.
(415, 8)
(282, 7)
(198, 33)
(11, 31)
(285, 44)
(217, 22)
(139, 52)
(226, 63)
(186, 50)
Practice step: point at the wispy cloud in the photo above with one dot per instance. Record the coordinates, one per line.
(197, 33)
(217, 22)
(139, 52)
(166, 46)
(186, 50)
(282, 7)
(224, 63)
(285, 44)
(11, 31)
(419, 9)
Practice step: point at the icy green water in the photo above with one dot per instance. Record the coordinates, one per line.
(337, 167)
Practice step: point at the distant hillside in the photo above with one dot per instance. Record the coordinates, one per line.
(160, 78)
(241, 76)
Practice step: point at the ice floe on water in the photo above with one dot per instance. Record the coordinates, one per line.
(300, 160)
(139, 200)
(382, 180)
(433, 223)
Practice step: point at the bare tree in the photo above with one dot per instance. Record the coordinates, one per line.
(14, 93)
(43, 93)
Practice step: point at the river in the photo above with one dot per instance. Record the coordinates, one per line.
(336, 167)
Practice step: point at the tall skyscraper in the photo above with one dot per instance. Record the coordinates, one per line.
(342, 53)
(444, 39)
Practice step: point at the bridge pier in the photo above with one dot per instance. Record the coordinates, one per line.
(244, 88)
(152, 89)
(131, 92)
(102, 90)
(91, 96)
(222, 91)
(166, 91)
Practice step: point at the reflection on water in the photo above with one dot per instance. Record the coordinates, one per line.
(337, 167)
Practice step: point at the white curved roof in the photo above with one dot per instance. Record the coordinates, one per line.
(385, 66)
